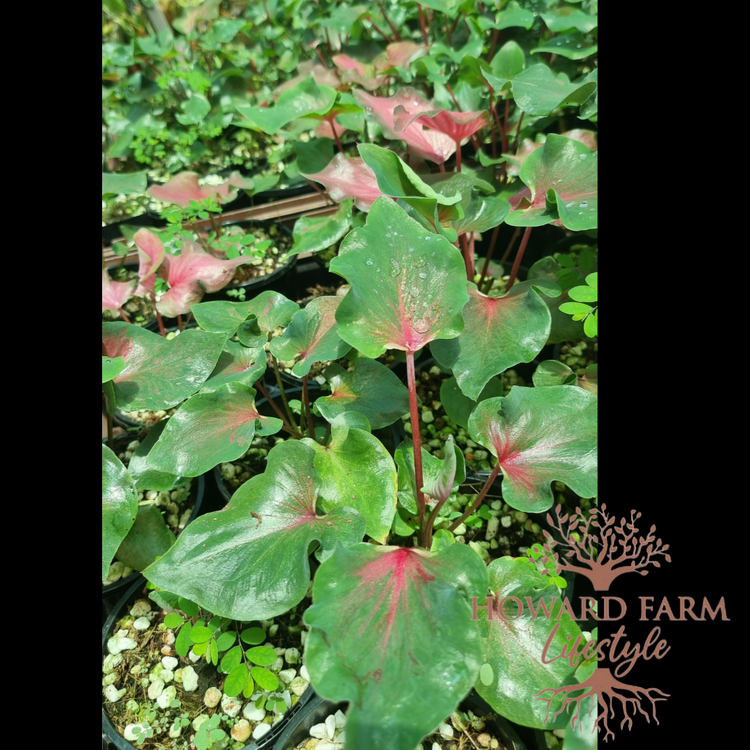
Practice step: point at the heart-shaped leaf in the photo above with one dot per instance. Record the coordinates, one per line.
(315, 233)
(237, 364)
(192, 273)
(348, 177)
(507, 63)
(372, 389)
(211, 428)
(398, 180)
(128, 183)
(540, 435)
(567, 169)
(407, 633)
(149, 537)
(158, 373)
(428, 144)
(312, 336)
(115, 293)
(111, 368)
(432, 468)
(538, 91)
(262, 539)
(513, 647)
(552, 372)
(119, 506)
(304, 99)
(150, 256)
(458, 407)
(356, 471)
(394, 267)
(574, 46)
(566, 17)
(144, 477)
(499, 332)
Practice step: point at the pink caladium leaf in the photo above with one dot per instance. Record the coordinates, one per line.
(456, 125)
(326, 128)
(192, 273)
(184, 187)
(354, 71)
(349, 177)
(429, 144)
(115, 293)
(514, 161)
(399, 55)
(151, 254)
(321, 75)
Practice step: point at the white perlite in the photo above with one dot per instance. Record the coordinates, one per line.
(142, 623)
(331, 726)
(251, 713)
(112, 694)
(117, 644)
(261, 731)
(155, 688)
(111, 663)
(340, 717)
(189, 679)
(445, 729)
(130, 735)
(140, 608)
(230, 706)
(212, 697)
(169, 662)
(169, 694)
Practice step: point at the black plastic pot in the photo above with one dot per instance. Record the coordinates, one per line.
(198, 489)
(136, 591)
(318, 708)
(276, 280)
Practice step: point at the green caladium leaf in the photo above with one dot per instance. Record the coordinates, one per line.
(457, 406)
(314, 155)
(262, 539)
(448, 7)
(356, 471)
(194, 110)
(472, 47)
(394, 265)
(315, 233)
(302, 100)
(372, 389)
(398, 180)
(432, 467)
(129, 183)
(539, 435)
(513, 15)
(221, 317)
(574, 46)
(211, 428)
(566, 18)
(119, 506)
(407, 633)
(158, 373)
(271, 310)
(543, 276)
(237, 364)
(591, 106)
(144, 477)
(513, 647)
(538, 91)
(552, 372)
(507, 63)
(312, 336)
(563, 171)
(148, 538)
(484, 212)
(499, 332)
(111, 367)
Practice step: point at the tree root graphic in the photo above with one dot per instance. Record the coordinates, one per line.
(608, 690)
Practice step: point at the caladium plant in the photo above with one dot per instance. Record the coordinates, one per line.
(391, 618)
(395, 587)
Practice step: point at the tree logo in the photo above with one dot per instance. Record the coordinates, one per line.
(602, 550)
